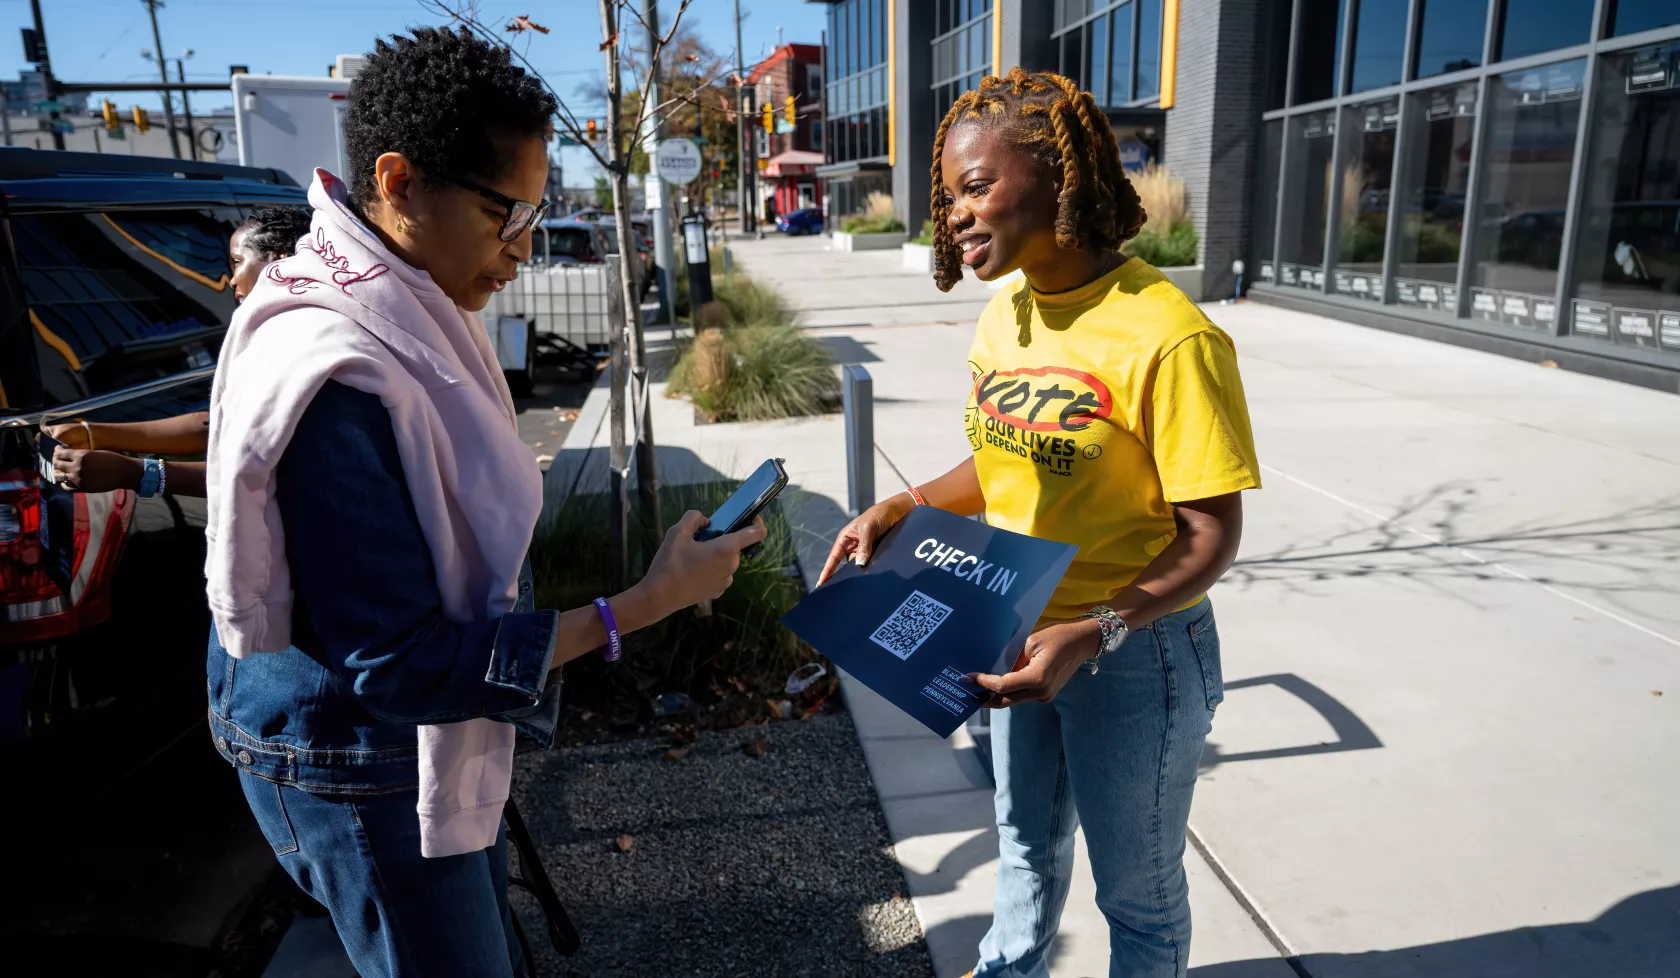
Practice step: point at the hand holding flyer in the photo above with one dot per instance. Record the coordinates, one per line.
(943, 597)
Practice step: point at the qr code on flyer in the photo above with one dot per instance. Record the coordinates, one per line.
(909, 626)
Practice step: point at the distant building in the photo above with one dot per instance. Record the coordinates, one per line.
(789, 157)
(30, 87)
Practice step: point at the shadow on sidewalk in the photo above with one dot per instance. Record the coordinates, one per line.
(1637, 938)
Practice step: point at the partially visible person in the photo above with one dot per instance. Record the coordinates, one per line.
(99, 457)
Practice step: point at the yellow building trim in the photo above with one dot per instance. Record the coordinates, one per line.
(997, 37)
(199, 277)
(1169, 53)
(56, 341)
(892, 81)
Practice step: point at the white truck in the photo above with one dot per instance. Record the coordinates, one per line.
(295, 124)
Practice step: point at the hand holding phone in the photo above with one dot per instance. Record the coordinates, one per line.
(744, 505)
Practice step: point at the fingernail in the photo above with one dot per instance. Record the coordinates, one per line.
(863, 560)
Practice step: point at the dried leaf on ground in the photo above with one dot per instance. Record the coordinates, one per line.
(624, 842)
(757, 747)
(1549, 364)
(676, 753)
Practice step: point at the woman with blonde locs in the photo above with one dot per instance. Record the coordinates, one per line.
(1106, 412)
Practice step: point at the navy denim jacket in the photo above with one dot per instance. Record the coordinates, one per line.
(374, 655)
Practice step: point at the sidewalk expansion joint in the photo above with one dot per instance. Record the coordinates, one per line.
(1285, 950)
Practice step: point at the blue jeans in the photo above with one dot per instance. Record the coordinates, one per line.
(398, 913)
(1115, 752)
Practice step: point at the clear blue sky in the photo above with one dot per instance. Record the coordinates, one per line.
(101, 40)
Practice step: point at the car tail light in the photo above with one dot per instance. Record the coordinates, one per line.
(33, 607)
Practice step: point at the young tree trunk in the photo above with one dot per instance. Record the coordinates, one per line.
(630, 335)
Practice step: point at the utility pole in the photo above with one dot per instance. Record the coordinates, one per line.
(186, 107)
(163, 74)
(662, 251)
(744, 140)
(49, 86)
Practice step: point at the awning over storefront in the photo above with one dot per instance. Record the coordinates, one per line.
(853, 168)
(793, 163)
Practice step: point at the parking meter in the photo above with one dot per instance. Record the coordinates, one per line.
(699, 261)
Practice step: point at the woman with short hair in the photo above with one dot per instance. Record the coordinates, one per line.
(376, 652)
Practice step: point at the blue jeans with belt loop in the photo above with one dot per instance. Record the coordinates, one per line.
(1116, 752)
(398, 913)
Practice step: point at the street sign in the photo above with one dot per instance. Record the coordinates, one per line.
(678, 160)
(63, 126)
(49, 105)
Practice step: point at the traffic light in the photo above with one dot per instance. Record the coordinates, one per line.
(142, 119)
(769, 118)
(109, 108)
(790, 114)
(594, 131)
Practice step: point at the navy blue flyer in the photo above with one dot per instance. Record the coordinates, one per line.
(942, 597)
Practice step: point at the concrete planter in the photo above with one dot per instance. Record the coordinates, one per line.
(1188, 278)
(868, 242)
(917, 258)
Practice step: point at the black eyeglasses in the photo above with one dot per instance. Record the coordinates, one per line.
(521, 215)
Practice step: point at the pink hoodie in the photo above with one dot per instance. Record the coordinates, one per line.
(344, 308)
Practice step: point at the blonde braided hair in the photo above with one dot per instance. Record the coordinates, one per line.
(1063, 127)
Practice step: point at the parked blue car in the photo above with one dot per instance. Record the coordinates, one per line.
(806, 220)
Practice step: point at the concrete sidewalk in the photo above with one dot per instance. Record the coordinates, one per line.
(1443, 750)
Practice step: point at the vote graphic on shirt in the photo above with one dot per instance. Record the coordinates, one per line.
(1038, 414)
(942, 597)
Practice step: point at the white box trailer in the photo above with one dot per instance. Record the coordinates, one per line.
(292, 124)
(295, 124)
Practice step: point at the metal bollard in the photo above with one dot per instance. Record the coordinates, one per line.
(857, 392)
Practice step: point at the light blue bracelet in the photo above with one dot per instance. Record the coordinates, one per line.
(151, 480)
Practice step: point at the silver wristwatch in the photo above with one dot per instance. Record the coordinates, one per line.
(1114, 632)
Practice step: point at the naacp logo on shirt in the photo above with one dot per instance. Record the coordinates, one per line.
(1041, 414)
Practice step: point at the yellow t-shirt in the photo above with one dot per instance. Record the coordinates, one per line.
(1093, 411)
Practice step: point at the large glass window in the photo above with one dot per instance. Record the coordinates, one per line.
(1627, 259)
(1318, 50)
(1450, 38)
(1275, 44)
(1148, 48)
(1095, 79)
(1120, 58)
(1264, 227)
(1306, 200)
(1379, 43)
(1367, 177)
(1536, 26)
(1633, 16)
(1436, 177)
(1525, 185)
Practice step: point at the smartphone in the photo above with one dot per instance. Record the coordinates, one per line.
(45, 445)
(744, 505)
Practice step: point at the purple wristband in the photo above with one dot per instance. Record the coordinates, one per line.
(614, 647)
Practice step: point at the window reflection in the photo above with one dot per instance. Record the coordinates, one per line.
(1628, 254)
(1534, 26)
(1443, 125)
(1095, 79)
(1633, 16)
(1306, 199)
(1451, 36)
(1378, 44)
(1148, 48)
(1525, 176)
(1318, 50)
(1367, 175)
(1264, 228)
(1120, 58)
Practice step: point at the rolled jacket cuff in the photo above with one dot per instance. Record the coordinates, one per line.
(523, 651)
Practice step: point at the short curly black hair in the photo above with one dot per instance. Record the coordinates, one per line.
(272, 233)
(448, 100)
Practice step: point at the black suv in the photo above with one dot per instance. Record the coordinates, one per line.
(119, 822)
